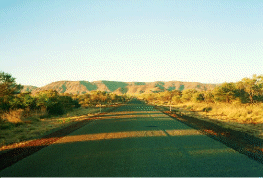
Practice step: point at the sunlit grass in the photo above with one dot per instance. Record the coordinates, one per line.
(242, 117)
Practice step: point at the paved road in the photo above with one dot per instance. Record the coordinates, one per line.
(136, 140)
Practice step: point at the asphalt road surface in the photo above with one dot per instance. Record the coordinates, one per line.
(136, 140)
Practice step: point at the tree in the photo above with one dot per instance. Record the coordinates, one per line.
(85, 100)
(67, 102)
(8, 85)
(16, 103)
(49, 100)
(167, 96)
(176, 99)
(4, 103)
(188, 94)
(241, 94)
(253, 86)
(8, 88)
(208, 97)
(198, 97)
(149, 97)
(29, 101)
(225, 92)
(113, 98)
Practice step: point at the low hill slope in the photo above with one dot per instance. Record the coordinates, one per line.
(82, 87)
(28, 88)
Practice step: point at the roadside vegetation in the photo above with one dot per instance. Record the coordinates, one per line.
(237, 105)
(24, 116)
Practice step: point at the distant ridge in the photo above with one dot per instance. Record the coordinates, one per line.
(132, 88)
(28, 88)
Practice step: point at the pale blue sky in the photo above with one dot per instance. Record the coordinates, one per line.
(208, 41)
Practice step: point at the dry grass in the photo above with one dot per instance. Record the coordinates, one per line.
(22, 115)
(22, 126)
(14, 116)
(252, 114)
(242, 117)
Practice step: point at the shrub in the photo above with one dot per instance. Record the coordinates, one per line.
(198, 97)
(14, 116)
(4, 103)
(189, 107)
(176, 99)
(55, 108)
(52, 102)
(207, 109)
(188, 94)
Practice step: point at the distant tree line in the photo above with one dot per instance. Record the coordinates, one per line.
(101, 97)
(248, 90)
(12, 98)
(50, 100)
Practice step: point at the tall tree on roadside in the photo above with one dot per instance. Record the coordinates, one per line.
(198, 97)
(253, 86)
(225, 92)
(208, 96)
(8, 88)
(8, 85)
(241, 94)
(188, 94)
(168, 95)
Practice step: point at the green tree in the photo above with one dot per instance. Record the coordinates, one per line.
(8, 85)
(103, 97)
(150, 97)
(208, 97)
(67, 102)
(225, 92)
(241, 95)
(167, 96)
(188, 94)
(16, 102)
(113, 98)
(198, 97)
(8, 89)
(5, 102)
(176, 99)
(253, 86)
(85, 100)
(50, 101)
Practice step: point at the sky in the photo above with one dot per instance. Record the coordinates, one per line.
(207, 41)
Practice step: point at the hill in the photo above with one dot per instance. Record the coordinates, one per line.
(132, 88)
(28, 88)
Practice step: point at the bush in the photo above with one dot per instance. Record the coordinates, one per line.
(176, 99)
(55, 109)
(188, 94)
(55, 104)
(14, 116)
(207, 109)
(198, 97)
(4, 103)
(189, 107)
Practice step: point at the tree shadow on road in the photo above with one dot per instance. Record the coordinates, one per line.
(131, 145)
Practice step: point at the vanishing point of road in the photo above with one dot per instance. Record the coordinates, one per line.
(135, 140)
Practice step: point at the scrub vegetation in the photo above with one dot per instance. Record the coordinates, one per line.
(24, 116)
(237, 105)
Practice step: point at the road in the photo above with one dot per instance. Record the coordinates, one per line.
(136, 140)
